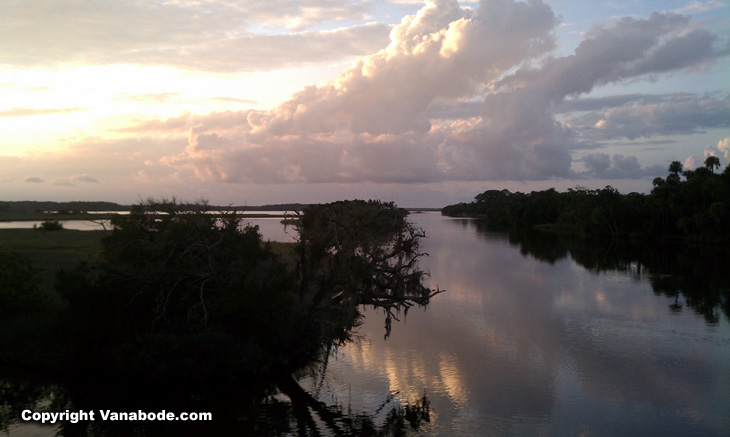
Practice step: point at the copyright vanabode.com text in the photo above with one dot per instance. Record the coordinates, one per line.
(81, 415)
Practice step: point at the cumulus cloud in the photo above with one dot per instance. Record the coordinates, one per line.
(407, 113)
(721, 149)
(724, 147)
(201, 35)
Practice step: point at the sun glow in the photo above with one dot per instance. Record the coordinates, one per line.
(42, 107)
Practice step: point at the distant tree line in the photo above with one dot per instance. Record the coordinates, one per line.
(34, 207)
(692, 205)
(31, 207)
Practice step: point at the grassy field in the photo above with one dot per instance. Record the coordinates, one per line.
(52, 250)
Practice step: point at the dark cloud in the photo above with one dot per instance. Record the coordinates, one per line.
(600, 165)
(596, 103)
(35, 180)
(680, 114)
(86, 178)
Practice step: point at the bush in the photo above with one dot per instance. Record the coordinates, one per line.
(51, 225)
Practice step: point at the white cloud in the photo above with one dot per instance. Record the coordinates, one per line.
(724, 147)
(28, 112)
(201, 35)
(696, 6)
(387, 119)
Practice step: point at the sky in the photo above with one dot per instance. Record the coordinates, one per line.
(424, 103)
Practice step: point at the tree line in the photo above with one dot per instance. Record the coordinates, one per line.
(690, 205)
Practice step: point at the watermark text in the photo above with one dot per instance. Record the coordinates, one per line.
(53, 417)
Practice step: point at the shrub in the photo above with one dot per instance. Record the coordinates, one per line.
(51, 225)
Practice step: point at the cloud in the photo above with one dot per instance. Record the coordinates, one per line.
(35, 180)
(700, 6)
(234, 100)
(28, 112)
(724, 147)
(396, 116)
(85, 178)
(158, 98)
(200, 35)
(721, 149)
(638, 116)
(600, 165)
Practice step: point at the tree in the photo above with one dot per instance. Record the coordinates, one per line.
(181, 292)
(359, 252)
(185, 292)
(712, 163)
(675, 170)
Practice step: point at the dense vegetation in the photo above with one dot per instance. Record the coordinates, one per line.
(179, 294)
(693, 205)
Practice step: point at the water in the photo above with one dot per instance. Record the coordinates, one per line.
(537, 335)
(270, 227)
(518, 345)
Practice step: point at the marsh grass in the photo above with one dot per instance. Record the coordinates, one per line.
(51, 251)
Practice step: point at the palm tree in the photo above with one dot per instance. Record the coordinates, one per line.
(712, 162)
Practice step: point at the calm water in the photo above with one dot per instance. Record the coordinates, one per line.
(522, 346)
(539, 335)
(271, 227)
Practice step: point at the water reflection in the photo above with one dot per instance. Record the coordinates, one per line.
(696, 273)
(546, 337)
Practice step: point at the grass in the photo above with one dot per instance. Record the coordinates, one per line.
(50, 251)
(286, 252)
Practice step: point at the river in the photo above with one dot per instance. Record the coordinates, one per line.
(537, 344)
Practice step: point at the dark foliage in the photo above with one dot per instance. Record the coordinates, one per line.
(183, 293)
(354, 253)
(51, 225)
(180, 293)
(696, 208)
(19, 292)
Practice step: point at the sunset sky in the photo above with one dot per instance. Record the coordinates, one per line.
(422, 103)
